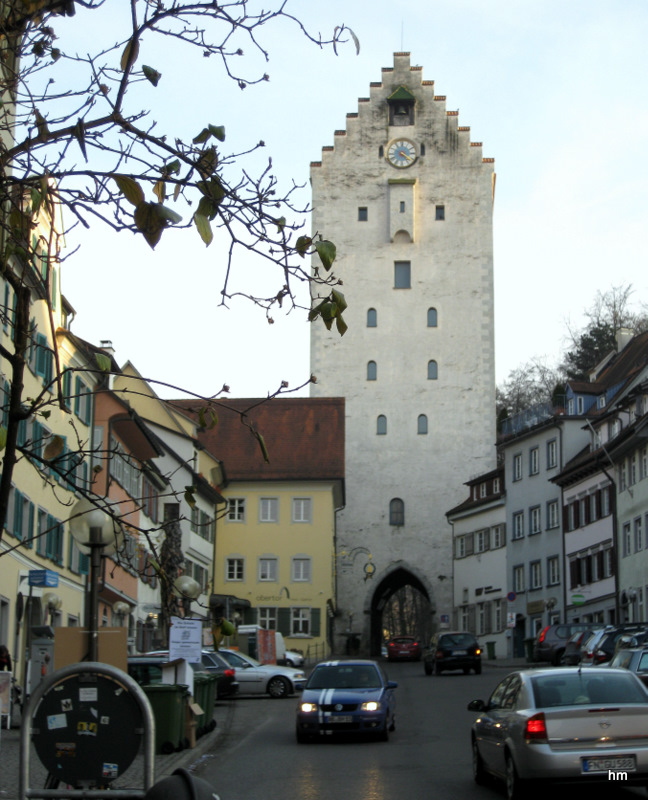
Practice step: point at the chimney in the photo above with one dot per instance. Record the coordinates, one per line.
(623, 337)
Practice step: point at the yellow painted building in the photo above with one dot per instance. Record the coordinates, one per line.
(276, 543)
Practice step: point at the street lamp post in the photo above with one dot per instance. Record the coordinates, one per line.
(188, 589)
(95, 533)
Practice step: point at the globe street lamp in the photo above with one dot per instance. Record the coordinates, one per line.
(52, 603)
(95, 532)
(121, 610)
(188, 589)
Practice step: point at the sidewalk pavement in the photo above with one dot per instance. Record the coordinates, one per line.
(131, 779)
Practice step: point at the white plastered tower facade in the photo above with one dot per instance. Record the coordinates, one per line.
(407, 198)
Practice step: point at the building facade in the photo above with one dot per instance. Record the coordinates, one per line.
(407, 197)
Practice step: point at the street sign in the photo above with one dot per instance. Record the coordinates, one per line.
(511, 597)
(578, 599)
(185, 639)
(43, 577)
(510, 619)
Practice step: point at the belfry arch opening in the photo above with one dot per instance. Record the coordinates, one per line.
(401, 604)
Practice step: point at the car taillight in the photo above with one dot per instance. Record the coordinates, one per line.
(541, 638)
(536, 729)
(438, 654)
(600, 656)
(229, 673)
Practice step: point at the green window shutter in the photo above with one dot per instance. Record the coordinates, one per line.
(22, 433)
(51, 536)
(283, 621)
(5, 403)
(18, 514)
(29, 539)
(84, 564)
(67, 388)
(316, 615)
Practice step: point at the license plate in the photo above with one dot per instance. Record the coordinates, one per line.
(459, 652)
(339, 719)
(616, 764)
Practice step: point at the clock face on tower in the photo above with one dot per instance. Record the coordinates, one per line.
(401, 153)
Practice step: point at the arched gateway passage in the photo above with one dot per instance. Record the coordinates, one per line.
(414, 607)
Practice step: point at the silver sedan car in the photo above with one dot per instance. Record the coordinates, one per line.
(256, 678)
(562, 725)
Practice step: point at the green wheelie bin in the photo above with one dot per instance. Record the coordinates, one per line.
(169, 704)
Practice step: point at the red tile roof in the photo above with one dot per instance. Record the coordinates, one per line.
(304, 437)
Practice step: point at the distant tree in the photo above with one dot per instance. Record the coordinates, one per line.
(610, 312)
(527, 385)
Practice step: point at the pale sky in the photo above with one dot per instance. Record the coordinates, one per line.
(556, 91)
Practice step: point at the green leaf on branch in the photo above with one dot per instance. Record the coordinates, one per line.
(131, 48)
(167, 214)
(79, 133)
(54, 448)
(189, 495)
(149, 223)
(151, 75)
(338, 299)
(204, 228)
(3, 437)
(302, 244)
(341, 325)
(280, 223)
(217, 131)
(130, 188)
(326, 251)
(103, 362)
(41, 124)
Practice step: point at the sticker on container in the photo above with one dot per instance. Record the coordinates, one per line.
(65, 750)
(66, 704)
(104, 721)
(88, 694)
(87, 728)
(55, 721)
(109, 771)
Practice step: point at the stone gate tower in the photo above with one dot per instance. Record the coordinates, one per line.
(407, 198)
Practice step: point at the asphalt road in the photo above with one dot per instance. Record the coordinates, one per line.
(427, 757)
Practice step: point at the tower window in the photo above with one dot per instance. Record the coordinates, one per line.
(381, 152)
(381, 425)
(422, 149)
(402, 274)
(363, 214)
(432, 318)
(372, 371)
(372, 318)
(440, 213)
(433, 370)
(402, 206)
(396, 512)
(422, 425)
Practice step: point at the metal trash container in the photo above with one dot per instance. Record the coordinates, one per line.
(169, 704)
(490, 650)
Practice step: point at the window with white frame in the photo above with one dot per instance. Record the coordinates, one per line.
(626, 539)
(460, 547)
(535, 575)
(302, 569)
(553, 570)
(300, 619)
(235, 509)
(302, 509)
(464, 613)
(517, 467)
(496, 485)
(268, 509)
(593, 507)
(497, 537)
(267, 617)
(623, 477)
(605, 501)
(534, 461)
(632, 469)
(518, 525)
(482, 540)
(234, 569)
(553, 519)
(267, 568)
(608, 563)
(552, 453)
(519, 584)
(643, 463)
(638, 538)
(482, 490)
(498, 617)
(535, 524)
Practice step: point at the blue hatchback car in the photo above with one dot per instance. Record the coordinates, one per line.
(350, 697)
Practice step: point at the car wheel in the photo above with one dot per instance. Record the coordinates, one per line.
(479, 773)
(278, 687)
(427, 667)
(559, 658)
(515, 788)
(478, 669)
(466, 670)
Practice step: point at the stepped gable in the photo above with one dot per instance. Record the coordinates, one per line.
(304, 437)
(402, 80)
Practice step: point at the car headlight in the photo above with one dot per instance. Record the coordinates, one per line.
(372, 705)
(298, 676)
(308, 708)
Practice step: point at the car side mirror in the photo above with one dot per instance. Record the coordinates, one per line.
(476, 705)
(392, 685)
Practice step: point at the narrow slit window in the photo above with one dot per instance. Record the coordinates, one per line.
(440, 213)
(372, 371)
(432, 319)
(381, 425)
(363, 213)
(433, 370)
(422, 426)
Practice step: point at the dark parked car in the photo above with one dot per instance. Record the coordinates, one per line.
(635, 659)
(350, 697)
(451, 650)
(562, 725)
(552, 640)
(407, 648)
(146, 668)
(572, 654)
(601, 649)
